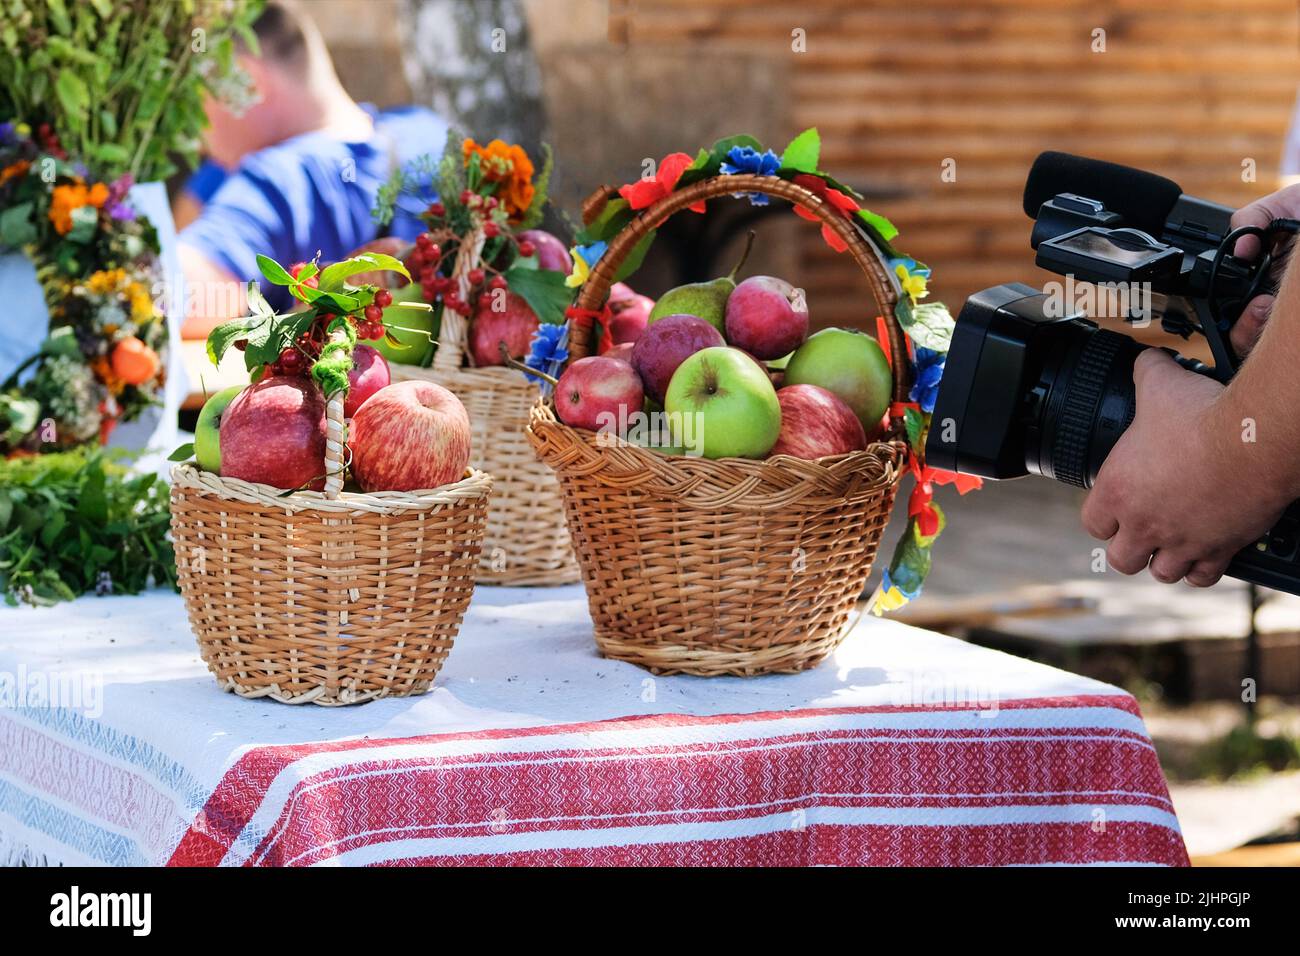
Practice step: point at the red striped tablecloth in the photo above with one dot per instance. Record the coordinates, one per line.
(908, 748)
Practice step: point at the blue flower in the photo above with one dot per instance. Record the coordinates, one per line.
(548, 351)
(7, 134)
(929, 372)
(746, 159)
(584, 258)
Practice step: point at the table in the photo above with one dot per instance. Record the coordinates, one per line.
(907, 747)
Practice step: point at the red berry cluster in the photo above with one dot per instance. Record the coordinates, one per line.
(49, 141)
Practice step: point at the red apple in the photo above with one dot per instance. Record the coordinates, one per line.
(501, 316)
(665, 345)
(598, 393)
(551, 253)
(369, 374)
(389, 246)
(815, 423)
(767, 316)
(629, 316)
(621, 352)
(409, 436)
(273, 433)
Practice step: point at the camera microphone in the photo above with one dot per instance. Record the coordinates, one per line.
(1143, 200)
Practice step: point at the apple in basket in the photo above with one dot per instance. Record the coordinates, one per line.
(665, 345)
(409, 333)
(501, 316)
(549, 250)
(629, 316)
(207, 431)
(852, 365)
(273, 433)
(369, 374)
(598, 393)
(767, 317)
(621, 352)
(816, 423)
(409, 436)
(724, 404)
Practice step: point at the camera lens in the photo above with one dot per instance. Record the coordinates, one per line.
(1082, 402)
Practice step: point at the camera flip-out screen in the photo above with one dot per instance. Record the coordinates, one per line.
(1117, 255)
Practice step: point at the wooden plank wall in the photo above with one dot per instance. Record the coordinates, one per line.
(1189, 89)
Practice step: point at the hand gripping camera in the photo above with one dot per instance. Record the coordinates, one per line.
(1032, 386)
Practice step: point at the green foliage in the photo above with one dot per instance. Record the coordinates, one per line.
(929, 325)
(68, 518)
(543, 289)
(122, 81)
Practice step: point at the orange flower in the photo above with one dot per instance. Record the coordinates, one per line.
(68, 198)
(14, 170)
(510, 168)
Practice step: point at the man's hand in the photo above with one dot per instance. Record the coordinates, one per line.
(1179, 491)
(1283, 204)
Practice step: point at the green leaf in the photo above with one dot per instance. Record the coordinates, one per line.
(257, 302)
(61, 341)
(929, 325)
(183, 453)
(883, 228)
(914, 423)
(53, 527)
(93, 502)
(16, 226)
(925, 540)
(221, 338)
(275, 273)
(608, 223)
(635, 257)
(331, 279)
(541, 185)
(73, 94)
(544, 291)
(804, 152)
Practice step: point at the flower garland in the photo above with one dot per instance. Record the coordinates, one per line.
(928, 326)
(97, 262)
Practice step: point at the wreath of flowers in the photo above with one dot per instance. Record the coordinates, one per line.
(928, 326)
(97, 263)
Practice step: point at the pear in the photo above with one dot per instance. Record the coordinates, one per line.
(707, 300)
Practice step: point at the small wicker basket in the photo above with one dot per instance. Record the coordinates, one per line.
(526, 542)
(325, 598)
(732, 566)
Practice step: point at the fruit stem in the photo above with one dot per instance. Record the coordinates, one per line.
(749, 244)
(514, 363)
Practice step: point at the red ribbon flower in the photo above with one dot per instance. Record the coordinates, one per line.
(647, 192)
(845, 205)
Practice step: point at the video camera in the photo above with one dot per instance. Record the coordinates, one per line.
(1032, 386)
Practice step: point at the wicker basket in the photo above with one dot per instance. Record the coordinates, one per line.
(333, 598)
(526, 542)
(732, 566)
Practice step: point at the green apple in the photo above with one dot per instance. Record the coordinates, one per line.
(415, 330)
(852, 365)
(207, 431)
(723, 405)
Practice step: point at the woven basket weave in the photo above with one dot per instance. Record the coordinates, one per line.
(333, 598)
(526, 542)
(731, 566)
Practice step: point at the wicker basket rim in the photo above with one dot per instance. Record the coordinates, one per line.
(739, 483)
(475, 484)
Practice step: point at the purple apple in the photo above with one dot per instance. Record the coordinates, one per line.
(551, 253)
(816, 423)
(369, 374)
(767, 316)
(273, 433)
(598, 393)
(667, 343)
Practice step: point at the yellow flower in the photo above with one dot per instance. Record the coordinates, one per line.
(890, 600)
(580, 270)
(913, 283)
(106, 280)
(141, 304)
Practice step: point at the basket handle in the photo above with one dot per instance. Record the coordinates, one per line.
(453, 335)
(864, 252)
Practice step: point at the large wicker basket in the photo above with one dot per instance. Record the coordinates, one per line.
(731, 566)
(325, 598)
(526, 541)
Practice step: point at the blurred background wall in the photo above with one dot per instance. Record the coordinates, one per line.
(901, 92)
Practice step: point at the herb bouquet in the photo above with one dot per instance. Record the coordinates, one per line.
(497, 287)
